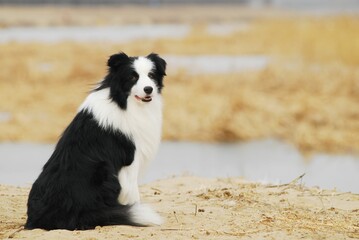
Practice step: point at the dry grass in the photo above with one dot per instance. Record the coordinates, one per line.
(320, 115)
(309, 95)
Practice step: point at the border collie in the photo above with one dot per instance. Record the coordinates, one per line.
(91, 178)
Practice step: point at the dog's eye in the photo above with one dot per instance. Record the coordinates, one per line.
(151, 75)
(134, 77)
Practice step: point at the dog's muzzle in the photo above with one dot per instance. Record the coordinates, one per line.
(147, 98)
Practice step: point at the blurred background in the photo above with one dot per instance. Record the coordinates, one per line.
(261, 89)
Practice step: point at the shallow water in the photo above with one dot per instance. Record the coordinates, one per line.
(319, 7)
(211, 64)
(5, 116)
(267, 161)
(113, 34)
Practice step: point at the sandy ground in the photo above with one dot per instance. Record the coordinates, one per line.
(197, 208)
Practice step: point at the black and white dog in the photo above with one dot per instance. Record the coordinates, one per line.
(91, 178)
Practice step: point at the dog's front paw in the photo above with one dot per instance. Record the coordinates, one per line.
(129, 196)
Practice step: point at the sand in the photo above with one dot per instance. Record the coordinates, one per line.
(198, 208)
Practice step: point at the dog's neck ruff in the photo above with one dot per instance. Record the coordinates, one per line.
(140, 122)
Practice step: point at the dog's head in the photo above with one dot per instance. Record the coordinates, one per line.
(140, 78)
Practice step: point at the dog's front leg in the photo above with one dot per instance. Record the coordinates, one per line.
(128, 177)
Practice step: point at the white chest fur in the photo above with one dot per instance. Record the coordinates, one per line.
(141, 122)
(144, 126)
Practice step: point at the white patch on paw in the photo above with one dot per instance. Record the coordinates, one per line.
(129, 187)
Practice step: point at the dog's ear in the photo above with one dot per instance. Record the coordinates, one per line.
(117, 60)
(159, 63)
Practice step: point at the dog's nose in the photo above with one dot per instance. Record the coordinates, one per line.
(148, 90)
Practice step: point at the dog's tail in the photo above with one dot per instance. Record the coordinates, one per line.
(135, 215)
(144, 215)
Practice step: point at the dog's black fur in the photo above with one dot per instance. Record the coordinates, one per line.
(78, 187)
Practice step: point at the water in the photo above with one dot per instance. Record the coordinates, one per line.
(267, 161)
(211, 64)
(319, 7)
(114, 34)
(223, 29)
(5, 117)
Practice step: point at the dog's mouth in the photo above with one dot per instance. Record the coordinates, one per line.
(144, 99)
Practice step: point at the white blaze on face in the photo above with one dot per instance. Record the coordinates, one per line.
(143, 66)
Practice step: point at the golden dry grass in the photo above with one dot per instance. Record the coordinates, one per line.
(308, 95)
